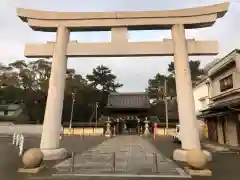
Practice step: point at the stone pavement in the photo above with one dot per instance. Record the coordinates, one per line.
(121, 156)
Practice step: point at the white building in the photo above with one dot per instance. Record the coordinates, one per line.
(201, 95)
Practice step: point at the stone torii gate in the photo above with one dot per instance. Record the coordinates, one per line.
(119, 23)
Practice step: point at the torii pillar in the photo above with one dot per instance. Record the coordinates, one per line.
(186, 108)
(54, 106)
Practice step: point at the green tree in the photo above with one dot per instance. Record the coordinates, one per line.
(41, 70)
(103, 79)
(8, 77)
(84, 96)
(27, 82)
(196, 71)
(156, 92)
(156, 89)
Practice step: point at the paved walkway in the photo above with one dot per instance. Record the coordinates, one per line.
(122, 156)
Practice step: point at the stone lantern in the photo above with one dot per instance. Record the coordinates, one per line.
(108, 132)
(146, 132)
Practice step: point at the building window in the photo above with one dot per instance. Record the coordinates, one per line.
(226, 83)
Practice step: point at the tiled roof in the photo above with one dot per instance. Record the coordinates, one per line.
(211, 64)
(218, 60)
(220, 105)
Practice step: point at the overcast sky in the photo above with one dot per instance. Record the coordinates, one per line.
(132, 72)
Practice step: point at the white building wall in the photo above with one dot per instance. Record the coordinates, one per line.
(201, 99)
(9, 128)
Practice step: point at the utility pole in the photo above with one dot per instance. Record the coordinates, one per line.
(166, 104)
(165, 99)
(96, 117)
(71, 116)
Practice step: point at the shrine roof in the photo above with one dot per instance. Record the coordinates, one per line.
(128, 100)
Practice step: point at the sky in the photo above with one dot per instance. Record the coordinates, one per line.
(133, 72)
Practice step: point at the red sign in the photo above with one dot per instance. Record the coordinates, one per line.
(155, 130)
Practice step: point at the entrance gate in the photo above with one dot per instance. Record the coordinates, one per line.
(127, 112)
(119, 23)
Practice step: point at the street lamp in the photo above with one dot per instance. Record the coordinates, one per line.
(96, 117)
(71, 116)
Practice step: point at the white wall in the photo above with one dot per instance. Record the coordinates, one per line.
(200, 92)
(31, 129)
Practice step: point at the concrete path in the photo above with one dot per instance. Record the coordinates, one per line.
(122, 156)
